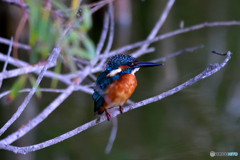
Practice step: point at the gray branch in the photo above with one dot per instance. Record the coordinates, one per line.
(211, 69)
(52, 58)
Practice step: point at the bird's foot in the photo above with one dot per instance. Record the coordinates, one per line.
(121, 109)
(108, 115)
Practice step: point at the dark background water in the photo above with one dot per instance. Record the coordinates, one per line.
(187, 125)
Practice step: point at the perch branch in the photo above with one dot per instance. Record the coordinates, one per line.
(211, 69)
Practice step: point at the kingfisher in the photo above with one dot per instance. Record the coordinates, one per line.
(116, 83)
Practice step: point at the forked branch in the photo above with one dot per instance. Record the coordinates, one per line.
(210, 70)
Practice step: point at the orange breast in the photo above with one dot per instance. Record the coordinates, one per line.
(119, 91)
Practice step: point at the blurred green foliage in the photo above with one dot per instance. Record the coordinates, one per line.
(20, 84)
(47, 22)
(77, 43)
(43, 31)
(17, 86)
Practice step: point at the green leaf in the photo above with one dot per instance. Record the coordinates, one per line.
(71, 63)
(89, 45)
(43, 30)
(60, 6)
(35, 11)
(17, 86)
(81, 53)
(87, 19)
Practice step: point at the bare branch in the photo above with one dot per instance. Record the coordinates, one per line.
(27, 68)
(77, 88)
(6, 62)
(20, 45)
(20, 71)
(99, 3)
(103, 35)
(93, 10)
(177, 53)
(110, 37)
(74, 80)
(112, 135)
(48, 110)
(17, 3)
(4, 144)
(218, 53)
(156, 28)
(19, 31)
(111, 31)
(52, 58)
(170, 34)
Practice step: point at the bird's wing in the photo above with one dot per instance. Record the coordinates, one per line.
(98, 95)
(101, 85)
(98, 102)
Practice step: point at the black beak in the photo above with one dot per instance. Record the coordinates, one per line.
(146, 64)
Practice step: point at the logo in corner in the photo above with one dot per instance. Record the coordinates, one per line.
(212, 153)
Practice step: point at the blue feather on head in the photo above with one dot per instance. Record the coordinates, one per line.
(120, 59)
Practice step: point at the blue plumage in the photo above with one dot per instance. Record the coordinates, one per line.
(120, 59)
(103, 81)
(123, 66)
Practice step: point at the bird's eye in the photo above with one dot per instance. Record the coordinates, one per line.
(131, 64)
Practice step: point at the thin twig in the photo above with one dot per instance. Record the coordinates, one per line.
(27, 68)
(112, 135)
(103, 34)
(77, 88)
(17, 3)
(6, 62)
(93, 10)
(111, 30)
(23, 150)
(170, 34)
(52, 58)
(156, 28)
(47, 111)
(177, 53)
(13, 61)
(99, 3)
(19, 31)
(96, 8)
(20, 71)
(93, 77)
(111, 35)
(20, 45)
(218, 53)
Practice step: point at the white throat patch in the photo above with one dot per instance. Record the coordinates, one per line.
(114, 72)
(134, 71)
